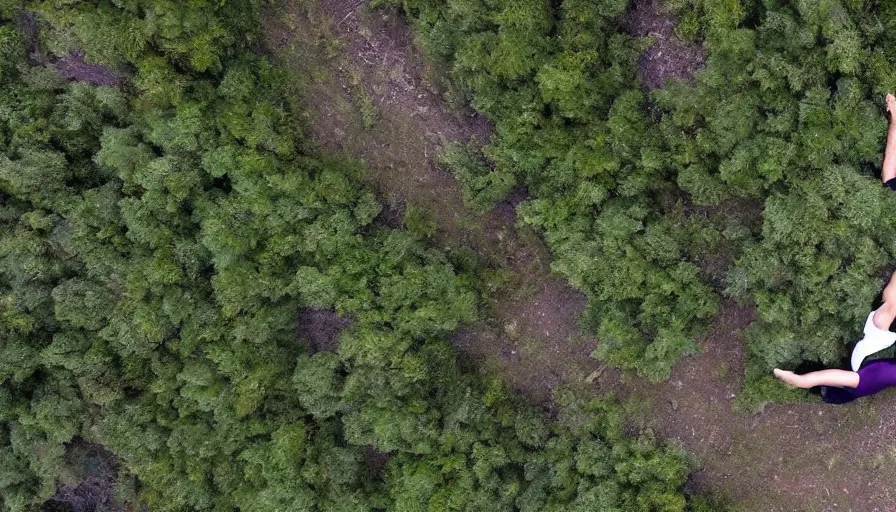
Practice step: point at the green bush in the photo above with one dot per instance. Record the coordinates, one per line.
(482, 188)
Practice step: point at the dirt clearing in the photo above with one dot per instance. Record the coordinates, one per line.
(669, 56)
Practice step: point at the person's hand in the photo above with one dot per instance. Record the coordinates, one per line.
(891, 104)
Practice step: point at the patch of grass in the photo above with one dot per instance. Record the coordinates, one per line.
(769, 389)
(641, 409)
(500, 279)
(370, 114)
(721, 371)
(531, 347)
(418, 223)
(320, 74)
(863, 413)
(540, 263)
(497, 283)
(469, 223)
(833, 461)
(512, 329)
(819, 423)
(481, 186)
(291, 21)
(434, 77)
(884, 460)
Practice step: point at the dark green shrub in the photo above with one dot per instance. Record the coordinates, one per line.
(481, 186)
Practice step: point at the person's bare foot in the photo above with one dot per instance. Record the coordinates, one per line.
(787, 376)
(891, 105)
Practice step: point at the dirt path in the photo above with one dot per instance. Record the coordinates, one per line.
(369, 92)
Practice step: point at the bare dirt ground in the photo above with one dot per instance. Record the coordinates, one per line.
(91, 485)
(73, 67)
(320, 328)
(669, 56)
(369, 93)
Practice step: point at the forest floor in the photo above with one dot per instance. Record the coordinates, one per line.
(369, 93)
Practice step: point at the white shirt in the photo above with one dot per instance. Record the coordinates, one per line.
(875, 340)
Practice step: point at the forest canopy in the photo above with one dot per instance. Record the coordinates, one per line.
(165, 224)
(162, 224)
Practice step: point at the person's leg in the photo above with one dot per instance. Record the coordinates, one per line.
(889, 168)
(832, 377)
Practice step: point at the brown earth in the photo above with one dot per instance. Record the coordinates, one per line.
(320, 328)
(668, 57)
(92, 474)
(369, 92)
(539, 348)
(73, 67)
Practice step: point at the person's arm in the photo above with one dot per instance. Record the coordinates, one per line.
(889, 294)
(886, 313)
(889, 166)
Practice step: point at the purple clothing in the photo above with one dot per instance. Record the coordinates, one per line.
(873, 377)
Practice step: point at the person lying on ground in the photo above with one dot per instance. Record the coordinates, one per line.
(841, 386)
